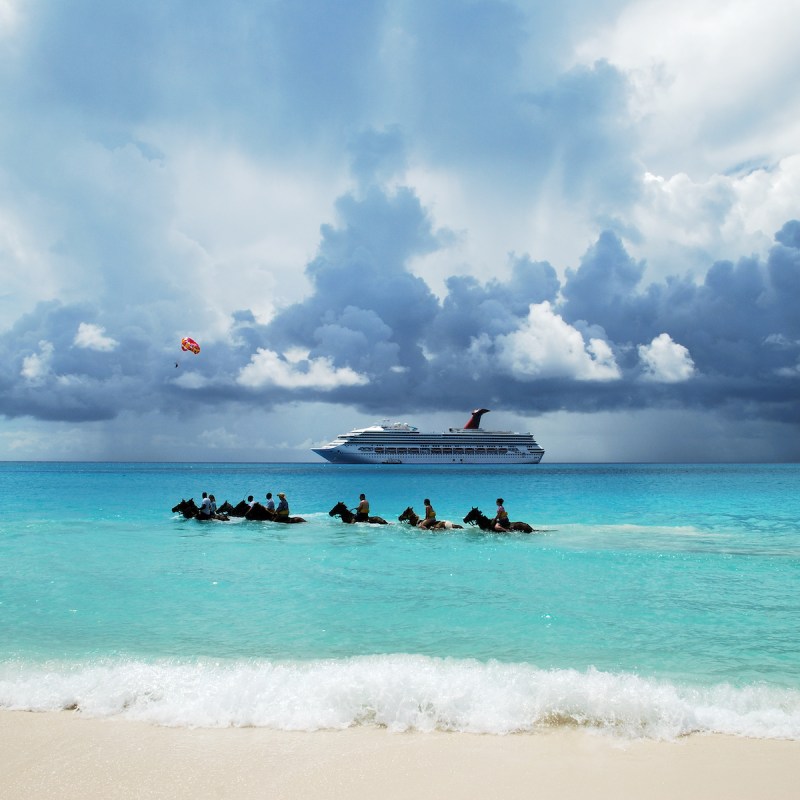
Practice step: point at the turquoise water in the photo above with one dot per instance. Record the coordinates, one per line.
(659, 600)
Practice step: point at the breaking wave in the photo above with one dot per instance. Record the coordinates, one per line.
(400, 693)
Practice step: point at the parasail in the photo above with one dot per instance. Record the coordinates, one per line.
(190, 344)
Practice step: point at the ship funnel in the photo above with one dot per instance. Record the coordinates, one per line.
(475, 420)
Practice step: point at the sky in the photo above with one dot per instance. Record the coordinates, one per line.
(584, 216)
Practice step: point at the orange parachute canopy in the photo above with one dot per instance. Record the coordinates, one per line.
(190, 344)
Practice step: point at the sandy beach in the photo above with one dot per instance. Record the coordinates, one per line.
(62, 755)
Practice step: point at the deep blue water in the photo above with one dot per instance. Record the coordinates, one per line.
(659, 599)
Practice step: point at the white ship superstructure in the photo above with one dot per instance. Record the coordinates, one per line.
(400, 443)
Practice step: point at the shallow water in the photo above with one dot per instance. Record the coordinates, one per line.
(660, 598)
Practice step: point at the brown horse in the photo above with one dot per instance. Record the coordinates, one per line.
(225, 508)
(346, 515)
(477, 517)
(262, 514)
(412, 519)
(240, 509)
(190, 510)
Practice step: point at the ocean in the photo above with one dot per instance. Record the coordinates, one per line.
(657, 600)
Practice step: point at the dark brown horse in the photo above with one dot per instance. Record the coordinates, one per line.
(240, 509)
(190, 510)
(477, 517)
(225, 508)
(256, 511)
(261, 513)
(412, 519)
(346, 515)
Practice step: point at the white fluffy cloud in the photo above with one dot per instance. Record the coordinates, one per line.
(687, 223)
(266, 368)
(36, 366)
(546, 346)
(93, 337)
(666, 361)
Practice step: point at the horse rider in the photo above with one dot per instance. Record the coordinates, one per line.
(282, 509)
(205, 507)
(430, 515)
(270, 506)
(500, 520)
(362, 509)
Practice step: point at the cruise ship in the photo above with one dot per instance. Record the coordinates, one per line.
(400, 443)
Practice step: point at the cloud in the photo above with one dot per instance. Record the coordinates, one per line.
(36, 367)
(546, 346)
(691, 83)
(666, 361)
(220, 438)
(267, 368)
(93, 337)
(191, 380)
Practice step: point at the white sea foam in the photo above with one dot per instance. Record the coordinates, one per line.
(399, 692)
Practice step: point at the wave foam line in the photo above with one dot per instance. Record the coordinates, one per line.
(399, 692)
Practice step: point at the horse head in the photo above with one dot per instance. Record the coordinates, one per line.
(407, 514)
(187, 507)
(337, 509)
(473, 515)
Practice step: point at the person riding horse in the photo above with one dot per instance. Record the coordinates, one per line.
(476, 517)
(282, 509)
(430, 515)
(362, 509)
(501, 522)
(346, 515)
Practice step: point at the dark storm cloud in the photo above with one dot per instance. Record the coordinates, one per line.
(362, 283)
(373, 334)
(46, 376)
(603, 289)
(731, 340)
(491, 308)
(733, 336)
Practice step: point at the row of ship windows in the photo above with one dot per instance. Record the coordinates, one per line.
(469, 451)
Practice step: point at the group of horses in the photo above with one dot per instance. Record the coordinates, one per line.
(261, 513)
(256, 511)
(474, 517)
